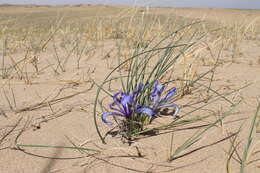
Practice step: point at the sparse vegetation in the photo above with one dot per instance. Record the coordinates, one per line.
(58, 63)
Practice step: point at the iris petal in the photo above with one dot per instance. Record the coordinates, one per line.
(157, 89)
(138, 90)
(177, 109)
(156, 93)
(126, 99)
(160, 89)
(106, 114)
(169, 95)
(157, 102)
(146, 110)
(155, 99)
(115, 98)
(116, 109)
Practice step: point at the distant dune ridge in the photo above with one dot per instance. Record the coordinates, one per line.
(237, 4)
(54, 61)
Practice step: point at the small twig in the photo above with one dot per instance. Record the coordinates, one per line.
(8, 101)
(13, 98)
(3, 113)
(9, 132)
(51, 102)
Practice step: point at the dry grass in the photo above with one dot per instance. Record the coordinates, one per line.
(52, 57)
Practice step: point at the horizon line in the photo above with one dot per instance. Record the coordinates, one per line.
(86, 4)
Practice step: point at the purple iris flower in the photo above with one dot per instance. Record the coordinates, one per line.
(157, 102)
(125, 105)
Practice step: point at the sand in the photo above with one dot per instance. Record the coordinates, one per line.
(57, 110)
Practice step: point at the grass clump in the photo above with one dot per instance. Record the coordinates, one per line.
(141, 97)
(248, 146)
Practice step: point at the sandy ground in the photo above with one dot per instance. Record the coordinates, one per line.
(57, 110)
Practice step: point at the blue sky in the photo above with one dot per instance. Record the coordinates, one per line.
(243, 4)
